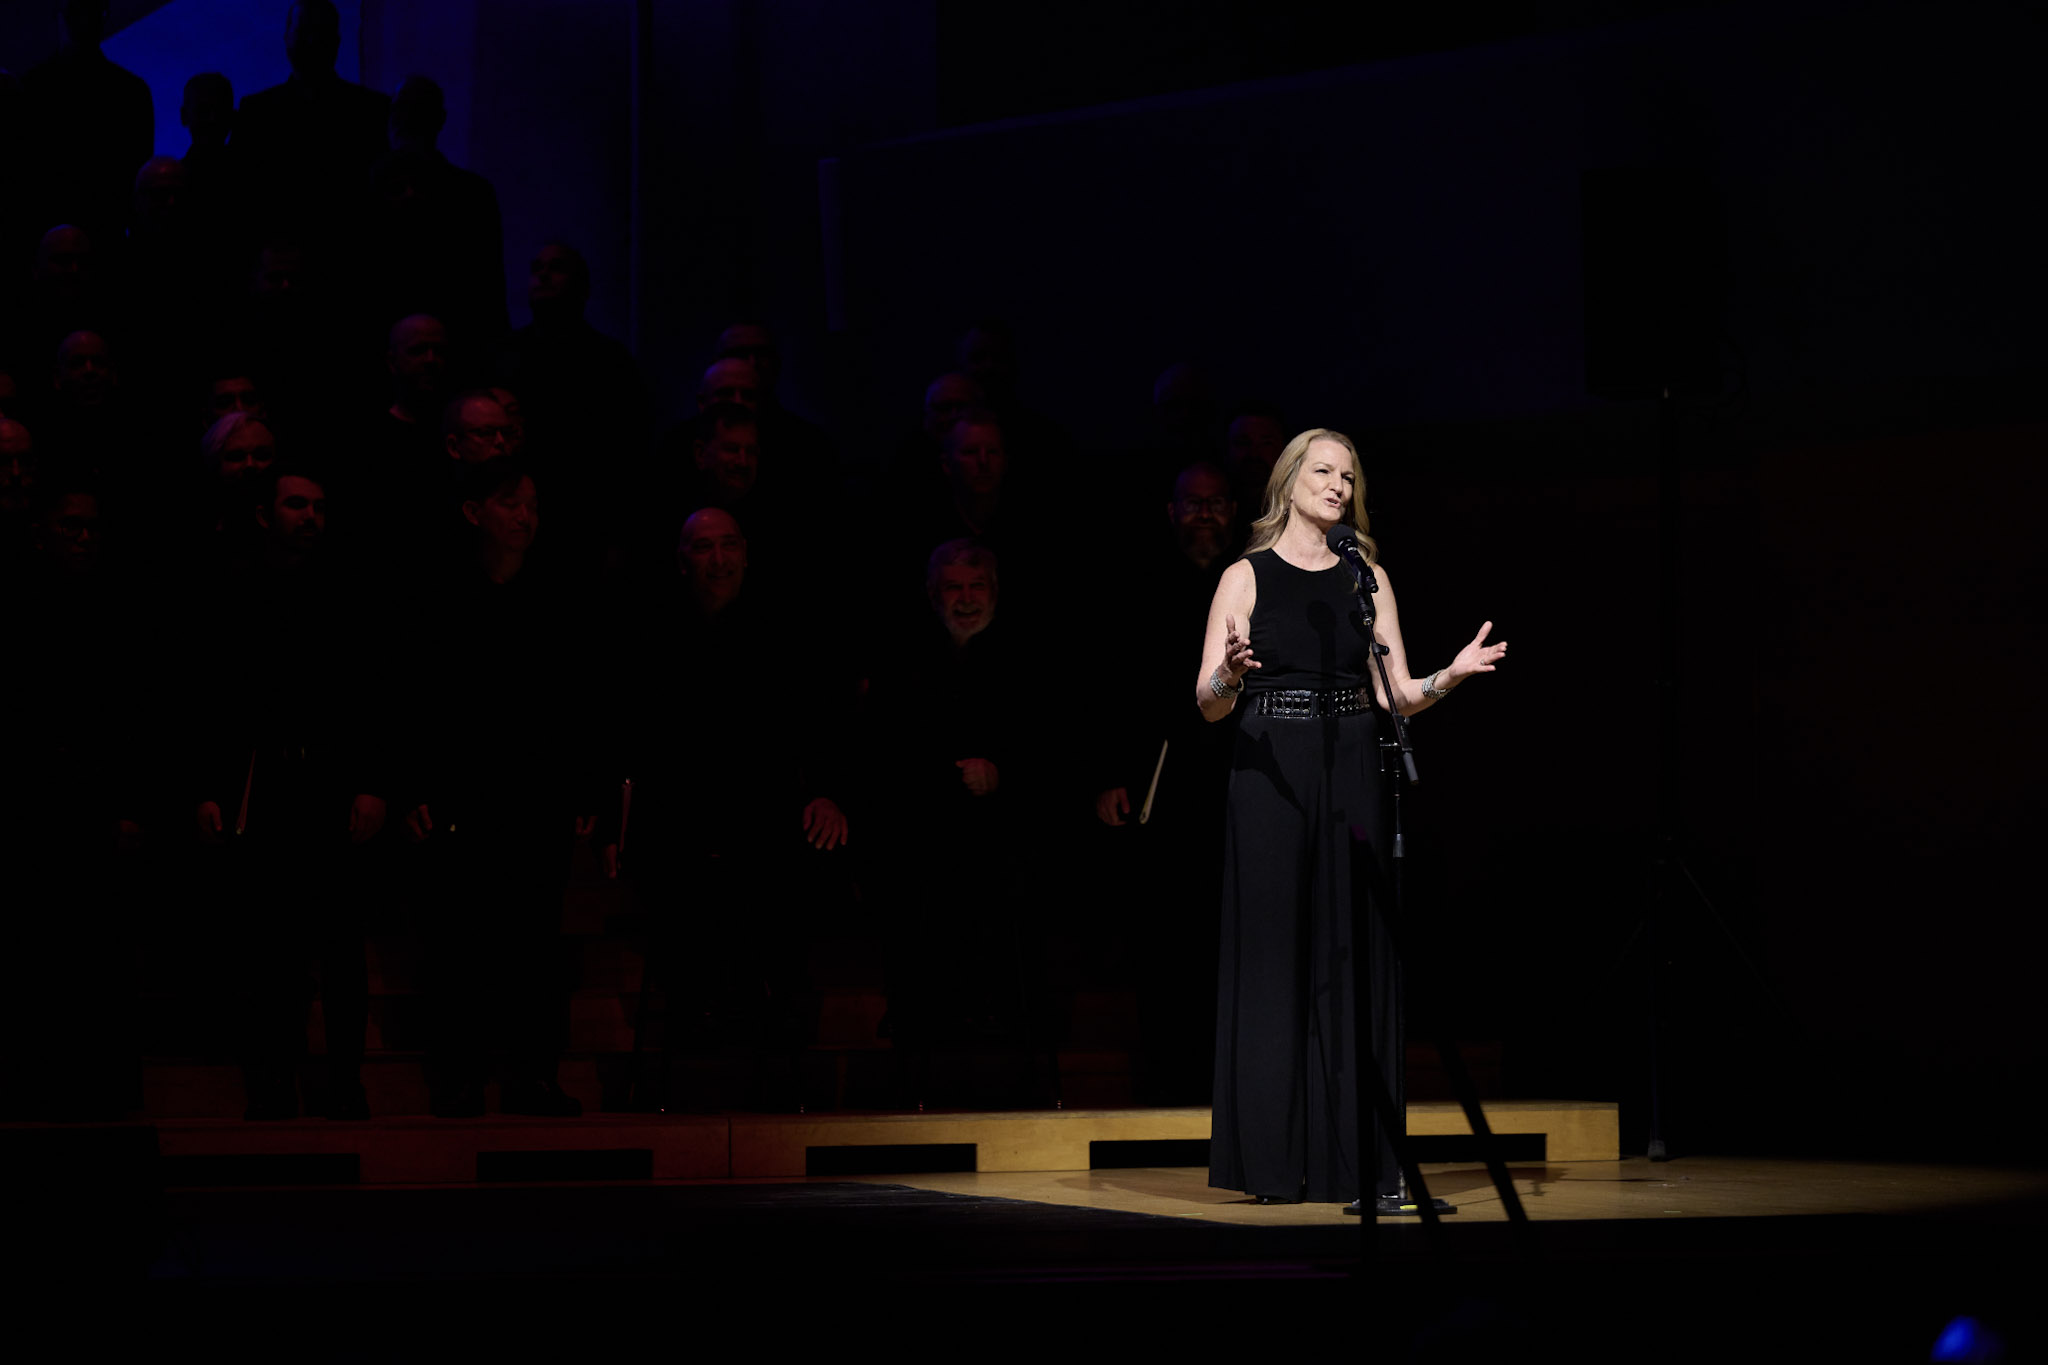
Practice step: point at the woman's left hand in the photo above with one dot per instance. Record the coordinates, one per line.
(1477, 657)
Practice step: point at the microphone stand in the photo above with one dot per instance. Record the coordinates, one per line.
(1373, 1082)
(1414, 1196)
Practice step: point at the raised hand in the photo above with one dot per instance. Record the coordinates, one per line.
(824, 824)
(979, 774)
(1237, 653)
(1477, 657)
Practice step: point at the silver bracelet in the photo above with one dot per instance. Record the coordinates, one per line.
(1432, 691)
(1216, 686)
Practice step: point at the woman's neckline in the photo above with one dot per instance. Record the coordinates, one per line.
(1274, 550)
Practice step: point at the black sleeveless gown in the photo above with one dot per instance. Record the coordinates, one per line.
(1303, 835)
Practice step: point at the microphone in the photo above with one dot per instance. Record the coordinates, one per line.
(1343, 540)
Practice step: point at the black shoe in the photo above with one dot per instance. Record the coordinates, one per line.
(464, 1101)
(346, 1102)
(539, 1099)
(1274, 1199)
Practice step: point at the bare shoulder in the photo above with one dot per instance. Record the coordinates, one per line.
(1239, 586)
(1381, 570)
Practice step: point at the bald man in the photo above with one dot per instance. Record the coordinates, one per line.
(729, 381)
(730, 815)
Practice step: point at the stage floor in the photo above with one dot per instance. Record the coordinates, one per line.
(1634, 1188)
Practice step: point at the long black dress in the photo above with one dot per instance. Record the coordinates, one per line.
(1304, 827)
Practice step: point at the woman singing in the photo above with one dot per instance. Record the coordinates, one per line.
(1284, 645)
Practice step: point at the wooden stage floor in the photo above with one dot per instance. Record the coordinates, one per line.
(1633, 1188)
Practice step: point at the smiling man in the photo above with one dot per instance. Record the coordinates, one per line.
(727, 455)
(959, 787)
(962, 584)
(712, 557)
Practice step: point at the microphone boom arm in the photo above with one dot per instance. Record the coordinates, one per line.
(1346, 546)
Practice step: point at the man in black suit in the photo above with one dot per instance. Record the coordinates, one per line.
(312, 140)
(434, 237)
(501, 785)
(1174, 858)
(93, 124)
(288, 780)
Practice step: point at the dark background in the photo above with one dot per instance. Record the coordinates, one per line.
(1379, 222)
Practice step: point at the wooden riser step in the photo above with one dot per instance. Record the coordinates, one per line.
(768, 1146)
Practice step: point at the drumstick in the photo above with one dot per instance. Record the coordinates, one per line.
(1145, 811)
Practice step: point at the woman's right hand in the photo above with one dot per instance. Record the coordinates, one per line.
(1237, 654)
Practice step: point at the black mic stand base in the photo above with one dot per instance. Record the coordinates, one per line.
(1395, 1206)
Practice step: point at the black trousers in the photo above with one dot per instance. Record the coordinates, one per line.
(1301, 858)
(295, 892)
(497, 977)
(965, 952)
(728, 934)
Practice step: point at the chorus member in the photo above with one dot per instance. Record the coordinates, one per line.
(500, 776)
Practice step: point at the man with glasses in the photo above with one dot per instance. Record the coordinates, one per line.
(475, 427)
(1173, 769)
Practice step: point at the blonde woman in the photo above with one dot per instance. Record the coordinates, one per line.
(1285, 652)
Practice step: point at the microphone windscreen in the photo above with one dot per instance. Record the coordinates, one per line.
(1338, 536)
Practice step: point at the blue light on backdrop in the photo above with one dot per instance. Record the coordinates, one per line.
(241, 39)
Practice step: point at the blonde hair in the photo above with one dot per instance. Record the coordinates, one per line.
(1280, 494)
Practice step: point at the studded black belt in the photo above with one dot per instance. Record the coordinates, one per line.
(1306, 705)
